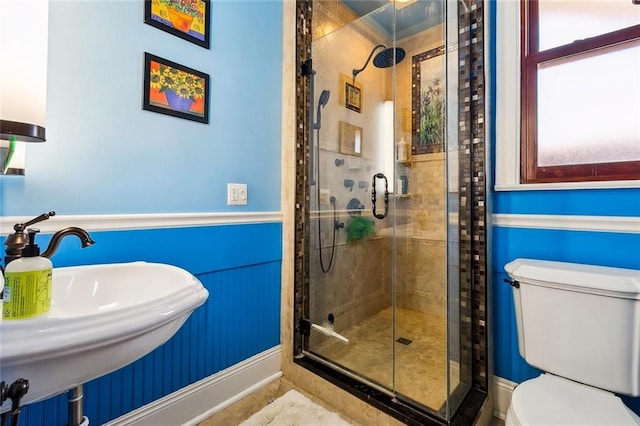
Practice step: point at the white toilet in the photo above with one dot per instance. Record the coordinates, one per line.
(581, 325)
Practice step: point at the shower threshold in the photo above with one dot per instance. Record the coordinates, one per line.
(385, 401)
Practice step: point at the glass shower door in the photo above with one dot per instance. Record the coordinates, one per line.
(382, 293)
(350, 237)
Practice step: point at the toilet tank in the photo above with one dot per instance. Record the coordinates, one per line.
(581, 322)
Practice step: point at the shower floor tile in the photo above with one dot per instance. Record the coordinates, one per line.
(421, 367)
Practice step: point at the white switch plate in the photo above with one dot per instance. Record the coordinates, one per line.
(236, 194)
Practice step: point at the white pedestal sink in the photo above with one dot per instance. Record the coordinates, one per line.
(102, 318)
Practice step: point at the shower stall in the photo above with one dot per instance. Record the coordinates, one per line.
(387, 194)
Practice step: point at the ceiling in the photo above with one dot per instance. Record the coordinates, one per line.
(411, 19)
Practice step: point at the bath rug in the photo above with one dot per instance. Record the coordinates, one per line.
(294, 409)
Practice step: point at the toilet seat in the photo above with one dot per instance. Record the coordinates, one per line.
(553, 400)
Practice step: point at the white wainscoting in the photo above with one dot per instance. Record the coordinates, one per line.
(140, 221)
(198, 401)
(622, 224)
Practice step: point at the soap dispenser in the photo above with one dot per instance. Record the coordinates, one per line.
(27, 283)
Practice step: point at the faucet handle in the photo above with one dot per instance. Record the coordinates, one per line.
(20, 227)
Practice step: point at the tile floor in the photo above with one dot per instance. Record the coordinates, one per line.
(370, 354)
(251, 404)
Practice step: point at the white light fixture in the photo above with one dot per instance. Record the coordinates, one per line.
(23, 79)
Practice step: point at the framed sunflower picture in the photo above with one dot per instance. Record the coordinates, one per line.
(187, 19)
(173, 89)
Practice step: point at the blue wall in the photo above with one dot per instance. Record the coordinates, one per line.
(105, 155)
(598, 248)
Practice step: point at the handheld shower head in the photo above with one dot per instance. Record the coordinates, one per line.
(389, 57)
(324, 98)
(322, 102)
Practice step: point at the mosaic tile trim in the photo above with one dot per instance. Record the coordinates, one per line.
(473, 265)
(301, 274)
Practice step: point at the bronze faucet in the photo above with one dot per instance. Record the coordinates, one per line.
(84, 236)
(15, 242)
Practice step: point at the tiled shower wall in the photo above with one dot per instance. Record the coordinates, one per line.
(422, 253)
(422, 234)
(351, 288)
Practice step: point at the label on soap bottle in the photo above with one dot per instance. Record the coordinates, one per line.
(26, 294)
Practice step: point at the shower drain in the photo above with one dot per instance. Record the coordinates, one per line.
(404, 341)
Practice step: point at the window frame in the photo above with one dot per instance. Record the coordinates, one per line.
(530, 58)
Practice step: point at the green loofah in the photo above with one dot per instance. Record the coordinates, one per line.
(359, 228)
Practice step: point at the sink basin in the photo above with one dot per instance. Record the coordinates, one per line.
(102, 318)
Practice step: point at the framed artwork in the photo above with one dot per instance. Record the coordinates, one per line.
(352, 97)
(350, 139)
(173, 89)
(187, 19)
(428, 102)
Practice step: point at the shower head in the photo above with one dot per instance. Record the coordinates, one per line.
(389, 57)
(324, 98)
(322, 102)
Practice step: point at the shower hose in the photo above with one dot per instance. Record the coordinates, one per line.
(332, 200)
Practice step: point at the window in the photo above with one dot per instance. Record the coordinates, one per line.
(579, 91)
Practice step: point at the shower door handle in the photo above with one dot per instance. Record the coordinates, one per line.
(374, 198)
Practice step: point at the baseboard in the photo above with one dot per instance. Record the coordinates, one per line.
(502, 390)
(200, 400)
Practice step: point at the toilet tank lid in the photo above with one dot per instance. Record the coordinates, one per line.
(616, 282)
